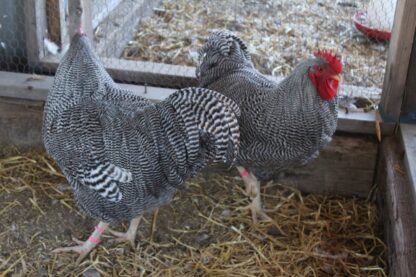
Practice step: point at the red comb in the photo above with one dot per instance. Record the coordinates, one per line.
(333, 60)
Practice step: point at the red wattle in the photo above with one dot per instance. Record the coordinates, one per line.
(328, 89)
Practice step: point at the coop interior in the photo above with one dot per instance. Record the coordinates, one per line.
(349, 212)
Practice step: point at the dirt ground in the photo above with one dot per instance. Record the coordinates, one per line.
(201, 233)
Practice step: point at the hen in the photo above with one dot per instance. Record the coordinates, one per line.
(282, 124)
(122, 154)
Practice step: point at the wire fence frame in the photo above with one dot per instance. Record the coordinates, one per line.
(36, 32)
(43, 13)
(104, 39)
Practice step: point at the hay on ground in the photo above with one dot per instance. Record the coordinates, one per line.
(201, 233)
(279, 34)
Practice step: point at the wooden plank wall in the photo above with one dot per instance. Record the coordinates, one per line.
(408, 140)
(21, 122)
(398, 60)
(35, 27)
(398, 207)
(409, 102)
(26, 86)
(345, 167)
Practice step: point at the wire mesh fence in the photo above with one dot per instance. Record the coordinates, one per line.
(144, 41)
(279, 34)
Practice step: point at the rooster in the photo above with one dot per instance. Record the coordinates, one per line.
(122, 154)
(282, 124)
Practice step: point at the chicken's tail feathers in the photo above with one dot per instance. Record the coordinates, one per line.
(215, 115)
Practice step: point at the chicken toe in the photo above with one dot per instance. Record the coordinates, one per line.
(130, 235)
(253, 191)
(84, 248)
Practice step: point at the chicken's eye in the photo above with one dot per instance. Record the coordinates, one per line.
(317, 68)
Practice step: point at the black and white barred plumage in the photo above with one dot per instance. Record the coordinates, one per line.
(281, 124)
(121, 153)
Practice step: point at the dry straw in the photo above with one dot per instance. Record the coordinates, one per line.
(279, 34)
(201, 233)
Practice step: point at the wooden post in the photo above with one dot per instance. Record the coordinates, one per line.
(80, 11)
(397, 203)
(63, 19)
(408, 114)
(401, 42)
(408, 135)
(53, 19)
(35, 27)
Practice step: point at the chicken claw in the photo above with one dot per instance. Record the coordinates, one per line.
(84, 248)
(257, 212)
(253, 191)
(130, 235)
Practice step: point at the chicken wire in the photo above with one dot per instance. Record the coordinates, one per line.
(279, 34)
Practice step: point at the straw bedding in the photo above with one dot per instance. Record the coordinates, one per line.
(279, 34)
(201, 233)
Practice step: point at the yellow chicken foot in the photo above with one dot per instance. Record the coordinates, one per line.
(84, 248)
(130, 235)
(253, 191)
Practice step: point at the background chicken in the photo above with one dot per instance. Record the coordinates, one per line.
(122, 154)
(281, 124)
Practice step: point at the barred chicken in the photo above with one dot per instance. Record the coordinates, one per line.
(122, 154)
(282, 124)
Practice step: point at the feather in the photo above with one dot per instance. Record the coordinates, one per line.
(122, 154)
(282, 124)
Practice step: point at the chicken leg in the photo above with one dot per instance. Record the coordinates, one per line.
(253, 191)
(130, 235)
(85, 247)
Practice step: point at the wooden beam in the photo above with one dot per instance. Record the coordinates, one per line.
(22, 97)
(344, 167)
(35, 87)
(397, 68)
(109, 40)
(21, 122)
(409, 103)
(408, 139)
(153, 74)
(35, 27)
(53, 19)
(363, 123)
(178, 76)
(63, 23)
(397, 209)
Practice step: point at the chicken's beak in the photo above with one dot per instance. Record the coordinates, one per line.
(337, 77)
